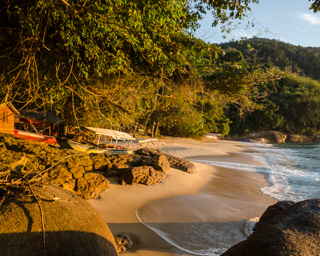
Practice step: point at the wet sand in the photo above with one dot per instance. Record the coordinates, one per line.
(214, 200)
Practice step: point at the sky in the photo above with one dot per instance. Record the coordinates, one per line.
(289, 21)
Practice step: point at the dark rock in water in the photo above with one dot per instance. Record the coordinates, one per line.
(299, 138)
(175, 162)
(293, 230)
(71, 226)
(277, 137)
(141, 175)
(265, 137)
(272, 211)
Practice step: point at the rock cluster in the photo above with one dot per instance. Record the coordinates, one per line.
(279, 137)
(84, 174)
(286, 228)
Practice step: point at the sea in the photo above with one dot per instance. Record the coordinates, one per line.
(293, 172)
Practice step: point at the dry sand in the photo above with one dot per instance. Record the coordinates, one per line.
(227, 198)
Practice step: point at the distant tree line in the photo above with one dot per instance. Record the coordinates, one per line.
(292, 103)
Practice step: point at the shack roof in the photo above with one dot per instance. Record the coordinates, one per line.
(10, 106)
(111, 133)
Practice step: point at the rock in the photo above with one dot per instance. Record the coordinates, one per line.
(90, 185)
(147, 152)
(100, 165)
(19, 165)
(299, 138)
(125, 241)
(286, 229)
(174, 162)
(181, 164)
(158, 162)
(71, 226)
(8, 140)
(274, 136)
(59, 175)
(141, 175)
(3, 147)
(77, 171)
(265, 137)
(272, 211)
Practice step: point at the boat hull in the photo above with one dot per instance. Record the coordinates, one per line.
(34, 137)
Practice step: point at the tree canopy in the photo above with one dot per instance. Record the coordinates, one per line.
(125, 62)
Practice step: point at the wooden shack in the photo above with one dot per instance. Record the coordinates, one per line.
(7, 119)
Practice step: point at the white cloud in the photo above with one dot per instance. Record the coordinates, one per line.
(311, 18)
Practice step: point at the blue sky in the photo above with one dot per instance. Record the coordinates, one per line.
(289, 21)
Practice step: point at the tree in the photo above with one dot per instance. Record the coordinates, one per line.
(78, 55)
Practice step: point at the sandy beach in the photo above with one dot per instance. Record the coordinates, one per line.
(188, 211)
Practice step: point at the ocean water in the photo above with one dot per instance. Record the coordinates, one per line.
(293, 171)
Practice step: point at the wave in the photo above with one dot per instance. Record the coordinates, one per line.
(292, 170)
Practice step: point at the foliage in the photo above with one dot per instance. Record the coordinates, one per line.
(298, 59)
(292, 106)
(127, 64)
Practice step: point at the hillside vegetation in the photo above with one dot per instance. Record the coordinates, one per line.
(135, 65)
(292, 103)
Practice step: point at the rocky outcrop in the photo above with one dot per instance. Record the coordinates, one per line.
(181, 164)
(278, 137)
(286, 228)
(294, 138)
(272, 211)
(174, 162)
(266, 137)
(145, 175)
(84, 174)
(57, 223)
(159, 162)
(274, 136)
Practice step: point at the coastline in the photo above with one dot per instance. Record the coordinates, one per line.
(228, 198)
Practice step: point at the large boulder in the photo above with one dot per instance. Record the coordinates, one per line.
(274, 136)
(90, 185)
(64, 224)
(175, 162)
(299, 138)
(285, 229)
(145, 175)
(181, 164)
(159, 162)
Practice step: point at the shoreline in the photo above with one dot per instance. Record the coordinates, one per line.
(227, 196)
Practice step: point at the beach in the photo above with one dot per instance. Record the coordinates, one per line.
(203, 213)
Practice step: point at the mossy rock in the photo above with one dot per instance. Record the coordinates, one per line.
(59, 175)
(77, 171)
(8, 140)
(91, 185)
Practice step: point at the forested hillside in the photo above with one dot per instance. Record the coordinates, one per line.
(302, 60)
(292, 103)
(136, 65)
